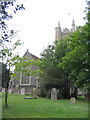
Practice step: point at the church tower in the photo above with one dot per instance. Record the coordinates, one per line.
(58, 32)
(73, 25)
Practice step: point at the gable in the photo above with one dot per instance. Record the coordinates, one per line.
(29, 55)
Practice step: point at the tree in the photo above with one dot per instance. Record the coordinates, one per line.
(5, 79)
(76, 59)
(61, 49)
(51, 75)
(6, 35)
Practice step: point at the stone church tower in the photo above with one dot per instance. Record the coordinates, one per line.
(61, 34)
(73, 25)
(58, 32)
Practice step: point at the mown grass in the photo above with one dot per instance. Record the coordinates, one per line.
(18, 107)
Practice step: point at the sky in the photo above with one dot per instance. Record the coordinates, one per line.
(36, 24)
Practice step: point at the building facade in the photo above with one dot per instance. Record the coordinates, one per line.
(25, 83)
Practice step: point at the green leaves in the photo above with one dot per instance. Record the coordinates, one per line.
(24, 66)
(50, 75)
(75, 61)
(5, 76)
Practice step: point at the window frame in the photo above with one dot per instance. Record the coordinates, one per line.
(25, 84)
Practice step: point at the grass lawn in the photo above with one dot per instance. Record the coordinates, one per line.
(18, 107)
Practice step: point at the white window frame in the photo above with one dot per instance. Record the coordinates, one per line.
(25, 84)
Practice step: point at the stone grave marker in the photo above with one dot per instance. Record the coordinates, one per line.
(23, 91)
(16, 90)
(3, 90)
(10, 91)
(72, 100)
(54, 92)
(34, 93)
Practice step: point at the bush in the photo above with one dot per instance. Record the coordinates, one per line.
(48, 94)
(59, 96)
(42, 93)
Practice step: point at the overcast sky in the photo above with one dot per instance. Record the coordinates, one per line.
(36, 24)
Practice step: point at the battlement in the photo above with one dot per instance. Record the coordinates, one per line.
(61, 34)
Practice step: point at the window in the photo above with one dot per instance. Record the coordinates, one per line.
(25, 80)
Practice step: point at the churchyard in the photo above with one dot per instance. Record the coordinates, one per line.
(18, 107)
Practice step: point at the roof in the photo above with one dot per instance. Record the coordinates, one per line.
(27, 53)
(35, 57)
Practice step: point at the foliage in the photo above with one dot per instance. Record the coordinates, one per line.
(5, 76)
(6, 35)
(7, 8)
(76, 59)
(25, 66)
(6, 47)
(66, 63)
(52, 76)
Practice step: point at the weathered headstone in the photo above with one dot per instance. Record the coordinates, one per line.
(54, 94)
(34, 93)
(23, 91)
(16, 90)
(72, 100)
(10, 91)
(3, 90)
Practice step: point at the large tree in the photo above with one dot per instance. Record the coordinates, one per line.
(76, 59)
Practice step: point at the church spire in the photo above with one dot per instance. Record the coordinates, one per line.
(58, 23)
(73, 22)
(73, 25)
(58, 32)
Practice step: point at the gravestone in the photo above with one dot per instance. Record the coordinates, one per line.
(54, 94)
(10, 91)
(3, 90)
(72, 100)
(23, 91)
(16, 90)
(34, 93)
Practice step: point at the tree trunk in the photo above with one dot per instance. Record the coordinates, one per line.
(6, 94)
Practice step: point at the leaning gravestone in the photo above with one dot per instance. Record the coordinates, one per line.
(54, 94)
(72, 100)
(23, 91)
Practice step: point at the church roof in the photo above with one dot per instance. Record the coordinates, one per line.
(35, 57)
(28, 54)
